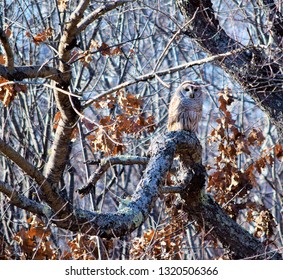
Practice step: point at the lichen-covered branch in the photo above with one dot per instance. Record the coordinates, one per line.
(210, 216)
(150, 186)
(198, 205)
(23, 202)
(201, 208)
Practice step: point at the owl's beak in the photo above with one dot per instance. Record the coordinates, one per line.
(192, 95)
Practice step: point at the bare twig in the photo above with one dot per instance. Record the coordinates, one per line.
(42, 84)
(152, 75)
(100, 12)
(166, 49)
(105, 163)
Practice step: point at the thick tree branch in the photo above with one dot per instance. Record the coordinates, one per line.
(261, 79)
(198, 204)
(31, 72)
(68, 105)
(8, 50)
(135, 212)
(208, 214)
(23, 202)
(46, 190)
(211, 217)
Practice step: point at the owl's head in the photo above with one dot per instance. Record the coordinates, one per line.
(190, 90)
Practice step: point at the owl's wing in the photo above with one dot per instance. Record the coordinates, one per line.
(173, 112)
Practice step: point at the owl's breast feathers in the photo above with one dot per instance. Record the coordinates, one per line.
(184, 112)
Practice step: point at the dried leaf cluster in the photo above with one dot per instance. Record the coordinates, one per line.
(8, 91)
(233, 185)
(166, 241)
(35, 241)
(95, 47)
(84, 247)
(40, 37)
(124, 118)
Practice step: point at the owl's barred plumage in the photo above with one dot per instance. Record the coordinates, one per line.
(185, 108)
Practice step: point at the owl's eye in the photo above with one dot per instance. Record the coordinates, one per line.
(195, 89)
(187, 89)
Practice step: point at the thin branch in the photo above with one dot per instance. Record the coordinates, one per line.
(153, 75)
(172, 189)
(166, 49)
(123, 160)
(45, 85)
(105, 163)
(97, 13)
(275, 16)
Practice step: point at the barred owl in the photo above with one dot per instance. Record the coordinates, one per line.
(185, 108)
